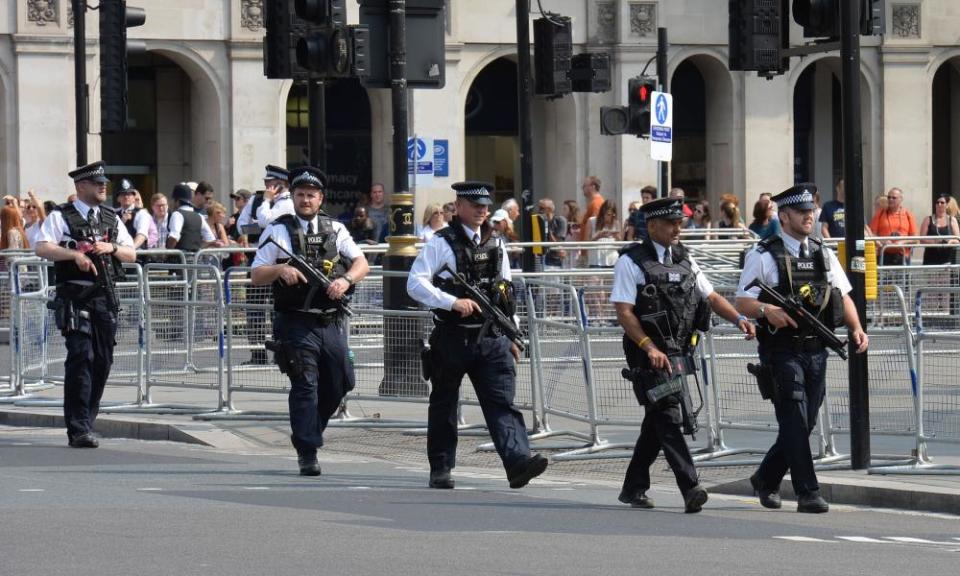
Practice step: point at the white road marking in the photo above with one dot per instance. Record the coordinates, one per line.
(910, 540)
(256, 487)
(563, 489)
(359, 488)
(862, 539)
(31, 490)
(800, 539)
(149, 489)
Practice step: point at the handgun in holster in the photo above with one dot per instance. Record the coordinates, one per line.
(765, 381)
(426, 359)
(66, 315)
(280, 355)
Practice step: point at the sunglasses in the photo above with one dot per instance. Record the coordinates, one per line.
(891, 197)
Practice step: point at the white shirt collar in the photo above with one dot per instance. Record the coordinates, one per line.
(792, 244)
(82, 207)
(303, 223)
(470, 231)
(660, 250)
(187, 207)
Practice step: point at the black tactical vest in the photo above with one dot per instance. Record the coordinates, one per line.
(83, 234)
(131, 229)
(320, 250)
(805, 278)
(480, 265)
(191, 239)
(668, 305)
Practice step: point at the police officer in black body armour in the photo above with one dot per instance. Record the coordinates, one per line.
(662, 299)
(87, 244)
(793, 363)
(471, 247)
(186, 229)
(311, 345)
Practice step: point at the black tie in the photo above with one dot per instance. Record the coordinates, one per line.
(804, 253)
(310, 227)
(667, 261)
(476, 239)
(92, 218)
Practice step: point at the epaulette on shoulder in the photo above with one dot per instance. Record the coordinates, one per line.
(765, 244)
(109, 209)
(630, 247)
(283, 219)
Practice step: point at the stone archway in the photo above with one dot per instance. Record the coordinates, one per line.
(491, 128)
(703, 128)
(945, 138)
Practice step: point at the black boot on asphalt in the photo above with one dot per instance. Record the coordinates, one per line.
(812, 503)
(308, 463)
(441, 480)
(521, 474)
(84, 441)
(694, 499)
(638, 499)
(768, 498)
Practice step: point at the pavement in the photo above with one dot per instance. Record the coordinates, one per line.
(385, 431)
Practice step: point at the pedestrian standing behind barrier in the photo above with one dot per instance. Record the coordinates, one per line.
(186, 229)
(793, 363)
(662, 300)
(460, 343)
(310, 342)
(87, 244)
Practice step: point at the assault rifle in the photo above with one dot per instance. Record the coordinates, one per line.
(805, 320)
(658, 385)
(105, 280)
(493, 316)
(316, 279)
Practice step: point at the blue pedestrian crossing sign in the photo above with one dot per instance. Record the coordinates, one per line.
(661, 127)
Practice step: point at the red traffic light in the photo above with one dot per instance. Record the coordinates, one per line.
(643, 92)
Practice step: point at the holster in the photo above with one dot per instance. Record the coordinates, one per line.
(657, 386)
(764, 376)
(67, 316)
(426, 359)
(281, 356)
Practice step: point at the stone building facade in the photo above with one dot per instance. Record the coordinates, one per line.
(202, 109)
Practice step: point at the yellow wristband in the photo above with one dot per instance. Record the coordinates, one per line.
(643, 341)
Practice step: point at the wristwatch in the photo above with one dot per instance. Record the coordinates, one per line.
(349, 279)
(763, 311)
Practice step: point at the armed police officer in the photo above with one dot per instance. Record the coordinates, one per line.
(88, 245)
(461, 345)
(662, 299)
(794, 361)
(310, 343)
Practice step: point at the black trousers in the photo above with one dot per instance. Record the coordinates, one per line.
(87, 367)
(660, 430)
(319, 370)
(805, 373)
(492, 371)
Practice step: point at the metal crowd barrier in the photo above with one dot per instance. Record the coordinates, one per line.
(8, 386)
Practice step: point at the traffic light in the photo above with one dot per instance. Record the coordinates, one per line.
(759, 30)
(819, 18)
(590, 72)
(115, 18)
(310, 39)
(639, 95)
(552, 52)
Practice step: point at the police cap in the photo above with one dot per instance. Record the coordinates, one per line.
(94, 172)
(665, 208)
(474, 191)
(798, 197)
(308, 176)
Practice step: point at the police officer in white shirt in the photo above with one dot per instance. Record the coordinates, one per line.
(471, 247)
(73, 237)
(311, 345)
(275, 182)
(277, 199)
(793, 363)
(662, 299)
(186, 229)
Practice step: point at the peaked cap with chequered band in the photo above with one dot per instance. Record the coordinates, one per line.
(798, 197)
(276, 173)
(665, 208)
(474, 191)
(94, 172)
(308, 176)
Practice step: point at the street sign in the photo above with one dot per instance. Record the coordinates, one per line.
(420, 161)
(661, 127)
(441, 157)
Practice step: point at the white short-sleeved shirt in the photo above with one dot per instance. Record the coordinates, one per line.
(762, 265)
(33, 233)
(175, 225)
(270, 211)
(627, 276)
(55, 227)
(141, 222)
(268, 253)
(435, 253)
